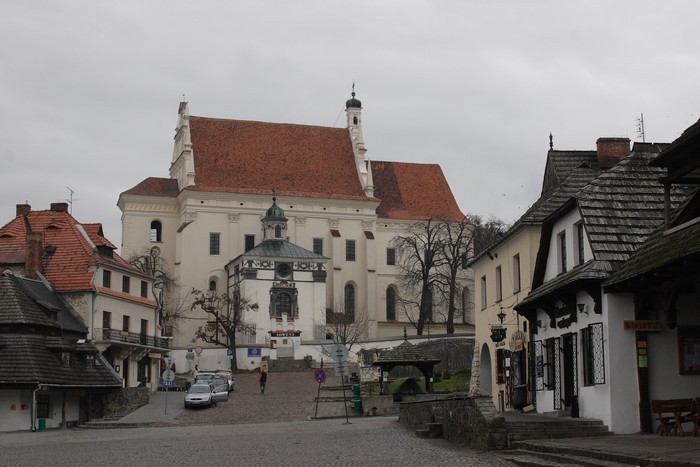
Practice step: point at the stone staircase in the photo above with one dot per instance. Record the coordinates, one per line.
(530, 454)
(289, 365)
(539, 427)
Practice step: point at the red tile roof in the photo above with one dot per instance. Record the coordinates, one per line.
(238, 156)
(67, 264)
(257, 157)
(154, 186)
(413, 191)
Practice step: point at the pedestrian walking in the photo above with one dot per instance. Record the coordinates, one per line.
(263, 380)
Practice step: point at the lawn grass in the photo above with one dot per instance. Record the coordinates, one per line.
(459, 382)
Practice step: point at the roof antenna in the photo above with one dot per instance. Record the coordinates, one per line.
(640, 128)
(70, 200)
(551, 141)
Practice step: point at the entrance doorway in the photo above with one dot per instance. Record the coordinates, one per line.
(570, 367)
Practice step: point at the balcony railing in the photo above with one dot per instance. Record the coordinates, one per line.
(116, 335)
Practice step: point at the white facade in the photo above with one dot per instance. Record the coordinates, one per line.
(189, 217)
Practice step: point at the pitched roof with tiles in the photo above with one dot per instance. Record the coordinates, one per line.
(242, 156)
(413, 192)
(70, 249)
(239, 156)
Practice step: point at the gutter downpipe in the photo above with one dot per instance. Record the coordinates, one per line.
(38, 387)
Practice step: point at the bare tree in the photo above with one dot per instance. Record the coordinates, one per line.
(167, 292)
(486, 231)
(227, 313)
(418, 259)
(346, 327)
(454, 249)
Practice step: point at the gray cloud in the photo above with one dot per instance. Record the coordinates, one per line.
(90, 89)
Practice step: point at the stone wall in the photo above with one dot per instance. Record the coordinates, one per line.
(117, 403)
(472, 421)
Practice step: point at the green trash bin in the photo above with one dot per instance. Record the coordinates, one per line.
(356, 389)
(357, 405)
(42, 424)
(188, 385)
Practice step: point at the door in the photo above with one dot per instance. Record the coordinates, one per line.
(570, 370)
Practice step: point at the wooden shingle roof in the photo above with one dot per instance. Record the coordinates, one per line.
(405, 354)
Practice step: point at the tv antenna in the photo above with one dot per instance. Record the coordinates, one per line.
(640, 128)
(70, 200)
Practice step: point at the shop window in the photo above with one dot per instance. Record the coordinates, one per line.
(689, 349)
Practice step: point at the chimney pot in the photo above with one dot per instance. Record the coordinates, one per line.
(611, 151)
(23, 209)
(59, 207)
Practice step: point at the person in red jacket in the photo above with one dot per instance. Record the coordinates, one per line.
(263, 380)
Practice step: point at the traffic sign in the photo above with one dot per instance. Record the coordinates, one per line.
(168, 375)
(167, 383)
(320, 375)
(229, 352)
(198, 350)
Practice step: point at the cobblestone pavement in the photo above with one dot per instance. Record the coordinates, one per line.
(371, 441)
(288, 397)
(249, 430)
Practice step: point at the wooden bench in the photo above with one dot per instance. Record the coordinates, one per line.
(672, 413)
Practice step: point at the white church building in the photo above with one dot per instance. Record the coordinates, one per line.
(335, 213)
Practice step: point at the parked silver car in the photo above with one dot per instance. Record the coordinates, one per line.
(229, 377)
(204, 395)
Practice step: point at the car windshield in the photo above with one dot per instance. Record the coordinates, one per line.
(204, 376)
(199, 389)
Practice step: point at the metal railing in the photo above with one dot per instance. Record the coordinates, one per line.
(118, 336)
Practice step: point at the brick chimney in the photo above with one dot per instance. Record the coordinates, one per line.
(611, 151)
(35, 249)
(63, 207)
(23, 209)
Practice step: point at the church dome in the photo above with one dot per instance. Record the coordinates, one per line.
(353, 102)
(274, 211)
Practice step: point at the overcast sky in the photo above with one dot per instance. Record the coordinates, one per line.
(90, 89)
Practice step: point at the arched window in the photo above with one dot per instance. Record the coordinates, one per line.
(278, 231)
(283, 304)
(156, 231)
(390, 304)
(350, 301)
(354, 120)
(212, 285)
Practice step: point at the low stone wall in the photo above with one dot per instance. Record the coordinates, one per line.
(123, 401)
(472, 421)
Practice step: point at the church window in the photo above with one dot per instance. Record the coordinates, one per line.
(212, 286)
(214, 243)
(249, 242)
(354, 120)
(278, 231)
(156, 231)
(391, 256)
(349, 250)
(283, 304)
(390, 304)
(350, 301)
(318, 246)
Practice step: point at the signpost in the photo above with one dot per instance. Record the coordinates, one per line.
(320, 377)
(168, 378)
(340, 362)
